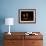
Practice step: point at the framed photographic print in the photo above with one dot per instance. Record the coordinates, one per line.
(27, 15)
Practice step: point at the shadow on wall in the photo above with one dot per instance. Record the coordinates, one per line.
(2, 21)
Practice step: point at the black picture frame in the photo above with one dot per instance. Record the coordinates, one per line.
(27, 15)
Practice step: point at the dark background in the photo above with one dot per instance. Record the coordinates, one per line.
(30, 15)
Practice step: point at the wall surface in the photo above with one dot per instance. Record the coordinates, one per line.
(9, 8)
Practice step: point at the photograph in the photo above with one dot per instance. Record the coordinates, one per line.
(27, 15)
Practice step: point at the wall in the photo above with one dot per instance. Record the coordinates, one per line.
(9, 8)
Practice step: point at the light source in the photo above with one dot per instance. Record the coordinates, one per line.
(9, 21)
